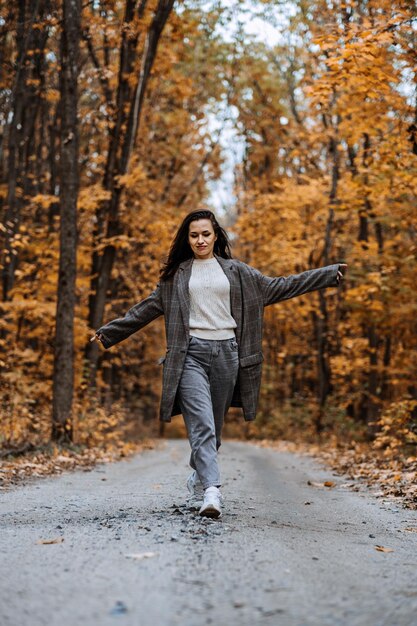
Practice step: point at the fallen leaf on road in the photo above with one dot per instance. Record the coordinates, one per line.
(383, 549)
(411, 529)
(48, 541)
(327, 483)
(141, 555)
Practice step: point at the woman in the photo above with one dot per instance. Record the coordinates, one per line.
(213, 309)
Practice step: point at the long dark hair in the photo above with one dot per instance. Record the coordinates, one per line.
(180, 249)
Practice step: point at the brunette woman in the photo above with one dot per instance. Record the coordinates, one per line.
(213, 310)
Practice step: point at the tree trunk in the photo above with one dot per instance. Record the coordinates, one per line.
(15, 140)
(371, 331)
(63, 380)
(321, 322)
(22, 113)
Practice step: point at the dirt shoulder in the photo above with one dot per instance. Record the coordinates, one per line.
(389, 475)
(53, 460)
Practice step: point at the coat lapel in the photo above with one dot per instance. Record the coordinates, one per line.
(183, 275)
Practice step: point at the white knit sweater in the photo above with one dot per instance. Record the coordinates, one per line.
(210, 316)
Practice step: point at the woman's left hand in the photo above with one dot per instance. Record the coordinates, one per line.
(341, 271)
(96, 338)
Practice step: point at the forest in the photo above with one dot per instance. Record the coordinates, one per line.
(118, 117)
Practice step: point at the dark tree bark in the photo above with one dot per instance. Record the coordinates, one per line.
(23, 110)
(321, 321)
(63, 380)
(371, 401)
(15, 140)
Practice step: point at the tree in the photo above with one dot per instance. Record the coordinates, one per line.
(63, 380)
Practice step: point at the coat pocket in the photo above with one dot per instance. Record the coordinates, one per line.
(251, 359)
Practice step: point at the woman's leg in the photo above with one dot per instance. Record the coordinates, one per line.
(197, 410)
(205, 394)
(223, 376)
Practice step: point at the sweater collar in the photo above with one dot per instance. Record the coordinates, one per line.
(225, 263)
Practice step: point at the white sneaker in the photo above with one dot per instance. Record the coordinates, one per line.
(194, 485)
(212, 503)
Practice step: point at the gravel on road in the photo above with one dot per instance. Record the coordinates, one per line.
(121, 545)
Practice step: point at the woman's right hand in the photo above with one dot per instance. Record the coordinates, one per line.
(97, 337)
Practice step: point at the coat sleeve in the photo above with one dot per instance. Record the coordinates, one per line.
(136, 318)
(286, 287)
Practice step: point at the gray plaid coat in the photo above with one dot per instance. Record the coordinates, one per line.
(250, 292)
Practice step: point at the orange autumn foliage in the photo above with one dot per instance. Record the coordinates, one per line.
(327, 121)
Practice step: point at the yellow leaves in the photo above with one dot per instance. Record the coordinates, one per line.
(341, 365)
(45, 200)
(326, 42)
(385, 38)
(120, 242)
(396, 426)
(33, 82)
(361, 294)
(375, 306)
(91, 197)
(133, 178)
(51, 95)
(32, 306)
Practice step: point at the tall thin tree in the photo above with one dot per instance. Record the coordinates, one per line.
(63, 380)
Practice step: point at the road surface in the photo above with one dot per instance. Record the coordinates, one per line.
(130, 551)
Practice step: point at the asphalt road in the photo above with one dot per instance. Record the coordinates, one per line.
(132, 552)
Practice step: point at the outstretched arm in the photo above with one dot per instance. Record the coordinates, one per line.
(136, 318)
(286, 287)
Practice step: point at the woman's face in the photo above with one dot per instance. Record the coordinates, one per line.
(201, 238)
